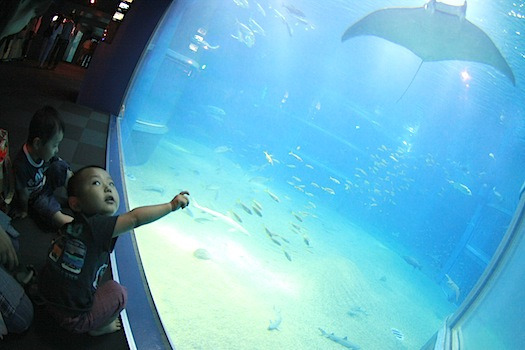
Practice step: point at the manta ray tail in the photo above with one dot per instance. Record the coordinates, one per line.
(411, 81)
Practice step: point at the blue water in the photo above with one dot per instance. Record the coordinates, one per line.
(434, 176)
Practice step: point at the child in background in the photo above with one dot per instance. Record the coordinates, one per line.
(38, 170)
(78, 258)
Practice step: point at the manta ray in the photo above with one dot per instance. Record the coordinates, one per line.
(434, 32)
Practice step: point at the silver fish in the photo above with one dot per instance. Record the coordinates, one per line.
(221, 216)
(260, 9)
(257, 211)
(287, 255)
(244, 207)
(236, 216)
(273, 196)
(256, 28)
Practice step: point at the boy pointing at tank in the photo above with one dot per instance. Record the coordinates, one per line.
(78, 258)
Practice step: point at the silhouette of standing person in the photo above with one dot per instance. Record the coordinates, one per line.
(55, 28)
(61, 43)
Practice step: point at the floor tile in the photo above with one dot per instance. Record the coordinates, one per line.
(67, 149)
(89, 155)
(76, 109)
(73, 132)
(100, 117)
(97, 126)
(74, 119)
(94, 138)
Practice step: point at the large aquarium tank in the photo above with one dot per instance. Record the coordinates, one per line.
(352, 167)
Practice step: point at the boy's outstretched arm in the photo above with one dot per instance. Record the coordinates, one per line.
(144, 215)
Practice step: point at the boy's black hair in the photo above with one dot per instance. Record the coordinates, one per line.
(45, 124)
(76, 180)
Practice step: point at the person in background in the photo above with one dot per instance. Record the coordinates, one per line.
(39, 171)
(88, 48)
(51, 33)
(61, 43)
(33, 27)
(79, 256)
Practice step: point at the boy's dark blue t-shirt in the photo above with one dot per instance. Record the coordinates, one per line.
(76, 262)
(29, 174)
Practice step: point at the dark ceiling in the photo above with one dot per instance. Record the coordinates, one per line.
(105, 6)
(92, 18)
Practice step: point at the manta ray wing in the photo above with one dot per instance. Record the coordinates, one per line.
(433, 36)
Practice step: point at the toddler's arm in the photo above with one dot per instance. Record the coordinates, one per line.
(144, 215)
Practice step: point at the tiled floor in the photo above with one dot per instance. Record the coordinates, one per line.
(23, 90)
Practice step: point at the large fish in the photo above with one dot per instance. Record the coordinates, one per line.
(412, 262)
(294, 10)
(341, 341)
(222, 217)
(460, 187)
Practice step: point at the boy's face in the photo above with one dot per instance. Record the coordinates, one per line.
(50, 149)
(97, 193)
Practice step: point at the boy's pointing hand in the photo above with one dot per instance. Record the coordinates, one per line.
(180, 201)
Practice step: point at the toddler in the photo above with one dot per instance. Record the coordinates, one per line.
(78, 258)
(38, 170)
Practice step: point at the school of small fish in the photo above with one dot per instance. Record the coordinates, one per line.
(258, 16)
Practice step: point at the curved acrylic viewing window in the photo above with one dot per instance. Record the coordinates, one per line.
(349, 183)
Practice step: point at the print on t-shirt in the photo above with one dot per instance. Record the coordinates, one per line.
(74, 256)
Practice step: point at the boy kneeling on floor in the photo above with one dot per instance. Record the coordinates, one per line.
(39, 171)
(78, 258)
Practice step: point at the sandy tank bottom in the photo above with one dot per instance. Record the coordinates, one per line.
(319, 272)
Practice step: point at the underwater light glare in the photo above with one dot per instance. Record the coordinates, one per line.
(280, 282)
(465, 76)
(245, 261)
(182, 241)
